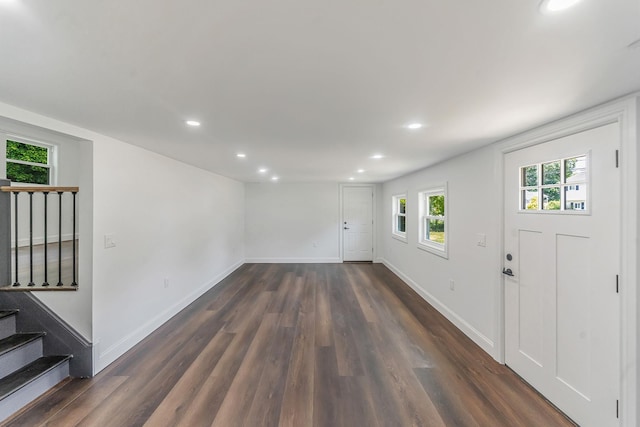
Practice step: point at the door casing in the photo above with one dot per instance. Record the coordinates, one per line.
(625, 112)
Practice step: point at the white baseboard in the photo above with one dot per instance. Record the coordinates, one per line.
(293, 260)
(109, 355)
(484, 342)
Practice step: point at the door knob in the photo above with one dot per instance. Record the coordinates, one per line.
(507, 271)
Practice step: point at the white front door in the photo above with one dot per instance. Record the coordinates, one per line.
(357, 223)
(562, 251)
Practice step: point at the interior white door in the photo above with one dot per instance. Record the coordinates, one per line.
(357, 223)
(562, 309)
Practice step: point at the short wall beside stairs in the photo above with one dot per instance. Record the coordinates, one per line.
(60, 338)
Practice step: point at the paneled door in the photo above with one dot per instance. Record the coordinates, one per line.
(561, 261)
(357, 223)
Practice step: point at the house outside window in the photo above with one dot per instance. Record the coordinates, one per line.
(433, 229)
(558, 186)
(28, 162)
(399, 217)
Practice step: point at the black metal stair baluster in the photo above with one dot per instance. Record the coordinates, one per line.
(15, 197)
(31, 239)
(46, 263)
(73, 239)
(59, 238)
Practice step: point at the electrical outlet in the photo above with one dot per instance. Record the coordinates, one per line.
(481, 239)
(452, 284)
(166, 283)
(109, 241)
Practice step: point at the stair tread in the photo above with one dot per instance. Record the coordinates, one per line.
(17, 340)
(7, 313)
(20, 378)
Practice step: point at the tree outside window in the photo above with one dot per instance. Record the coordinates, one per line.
(433, 221)
(399, 217)
(559, 185)
(28, 163)
(435, 226)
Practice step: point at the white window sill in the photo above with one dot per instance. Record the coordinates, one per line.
(439, 250)
(399, 237)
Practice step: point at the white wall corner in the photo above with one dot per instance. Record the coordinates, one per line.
(476, 336)
(109, 355)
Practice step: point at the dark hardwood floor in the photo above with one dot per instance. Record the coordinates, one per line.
(301, 345)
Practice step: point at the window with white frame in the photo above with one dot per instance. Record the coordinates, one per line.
(558, 186)
(28, 162)
(433, 220)
(399, 217)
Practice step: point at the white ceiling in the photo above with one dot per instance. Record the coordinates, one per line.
(311, 89)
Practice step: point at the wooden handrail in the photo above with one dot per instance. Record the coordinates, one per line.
(39, 189)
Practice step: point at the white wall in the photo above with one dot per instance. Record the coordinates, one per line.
(473, 207)
(170, 221)
(292, 222)
(637, 248)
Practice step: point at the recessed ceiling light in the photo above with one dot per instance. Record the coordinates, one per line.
(377, 156)
(241, 155)
(274, 178)
(550, 6)
(262, 170)
(351, 178)
(193, 123)
(360, 170)
(414, 126)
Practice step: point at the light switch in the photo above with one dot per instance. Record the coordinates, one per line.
(109, 241)
(481, 239)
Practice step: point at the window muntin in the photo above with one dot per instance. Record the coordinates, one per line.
(433, 221)
(561, 185)
(399, 217)
(28, 162)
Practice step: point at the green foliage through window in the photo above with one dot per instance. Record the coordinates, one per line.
(402, 224)
(28, 172)
(554, 186)
(27, 152)
(436, 205)
(551, 173)
(435, 231)
(433, 225)
(570, 166)
(530, 176)
(399, 215)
